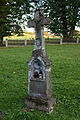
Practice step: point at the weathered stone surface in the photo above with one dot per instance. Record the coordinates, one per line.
(40, 90)
(39, 74)
(41, 53)
(45, 105)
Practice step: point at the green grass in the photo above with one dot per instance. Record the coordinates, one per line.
(65, 83)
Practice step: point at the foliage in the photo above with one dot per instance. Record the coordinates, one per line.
(64, 15)
(11, 12)
(76, 33)
(65, 83)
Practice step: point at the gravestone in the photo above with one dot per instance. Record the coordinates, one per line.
(39, 75)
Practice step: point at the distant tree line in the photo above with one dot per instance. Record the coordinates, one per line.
(64, 15)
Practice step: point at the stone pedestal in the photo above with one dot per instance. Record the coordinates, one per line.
(40, 104)
(39, 82)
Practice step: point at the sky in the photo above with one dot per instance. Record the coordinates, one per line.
(77, 28)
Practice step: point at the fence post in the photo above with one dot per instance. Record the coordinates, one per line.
(25, 42)
(61, 40)
(6, 43)
(77, 40)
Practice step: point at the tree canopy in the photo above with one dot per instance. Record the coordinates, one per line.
(64, 15)
(11, 12)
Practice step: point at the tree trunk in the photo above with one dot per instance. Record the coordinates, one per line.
(64, 22)
(68, 35)
(1, 41)
(74, 20)
(71, 32)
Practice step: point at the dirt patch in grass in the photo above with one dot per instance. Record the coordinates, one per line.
(1, 115)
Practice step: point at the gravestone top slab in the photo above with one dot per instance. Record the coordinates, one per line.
(39, 53)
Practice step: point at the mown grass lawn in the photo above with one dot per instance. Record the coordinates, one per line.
(65, 83)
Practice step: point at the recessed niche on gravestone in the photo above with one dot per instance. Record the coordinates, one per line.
(39, 73)
(37, 43)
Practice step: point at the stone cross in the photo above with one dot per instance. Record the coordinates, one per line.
(38, 22)
(39, 73)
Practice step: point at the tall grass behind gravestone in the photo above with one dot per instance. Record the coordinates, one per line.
(65, 83)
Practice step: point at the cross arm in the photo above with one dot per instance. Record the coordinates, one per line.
(31, 23)
(46, 21)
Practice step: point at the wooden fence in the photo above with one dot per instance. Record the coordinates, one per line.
(16, 43)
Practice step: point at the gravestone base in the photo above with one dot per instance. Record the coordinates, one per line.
(40, 104)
